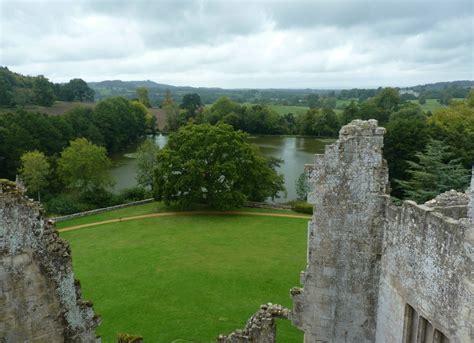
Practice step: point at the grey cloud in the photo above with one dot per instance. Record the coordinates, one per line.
(241, 43)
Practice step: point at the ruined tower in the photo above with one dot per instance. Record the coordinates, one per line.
(339, 298)
(40, 301)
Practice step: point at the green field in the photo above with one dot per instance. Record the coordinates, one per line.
(429, 106)
(58, 108)
(186, 278)
(282, 109)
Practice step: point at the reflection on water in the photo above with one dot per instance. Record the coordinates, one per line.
(295, 151)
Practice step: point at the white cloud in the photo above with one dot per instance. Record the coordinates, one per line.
(241, 44)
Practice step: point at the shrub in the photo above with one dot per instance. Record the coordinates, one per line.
(134, 194)
(302, 207)
(65, 204)
(100, 197)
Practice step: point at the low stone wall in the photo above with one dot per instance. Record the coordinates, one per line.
(101, 210)
(267, 205)
(146, 201)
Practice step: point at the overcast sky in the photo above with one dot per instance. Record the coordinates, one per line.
(242, 44)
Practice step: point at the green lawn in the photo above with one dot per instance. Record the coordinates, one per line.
(430, 105)
(187, 277)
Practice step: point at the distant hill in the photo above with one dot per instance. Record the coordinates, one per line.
(443, 85)
(157, 92)
(128, 84)
(104, 89)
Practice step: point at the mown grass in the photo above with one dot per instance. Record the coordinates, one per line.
(188, 277)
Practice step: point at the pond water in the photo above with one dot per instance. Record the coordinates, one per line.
(294, 151)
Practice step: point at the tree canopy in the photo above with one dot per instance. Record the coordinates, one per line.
(435, 172)
(84, 166)
(147, 161)
(214, 165)
(34, 171)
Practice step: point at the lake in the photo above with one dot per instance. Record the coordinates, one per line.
(294, 151)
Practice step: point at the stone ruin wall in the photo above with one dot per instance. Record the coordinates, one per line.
(40, 301)
(368, 259)
(427, 264)
(339, 298)
(260, 328)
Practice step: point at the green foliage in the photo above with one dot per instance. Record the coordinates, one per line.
(143, 97)
(422, 99)
(34, 171)
(302, 186)
(407, 134)
(302, 207)
(84, 166)
(75, 90)
(455, 126)
(147, 161)
(20, 90)
(133, 194)
(120, 121)
(82, 124)
(62, 204)
(43, 91)
(191, 103)
(351, 112)
(98, 197)
(24, 131)
(320, 122)
(434, 173)
(214, 165)
(313, 101)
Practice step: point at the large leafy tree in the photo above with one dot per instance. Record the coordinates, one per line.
(34, 171)
(214, 165)
(147, 161)
(84, 166)
(435, 172)
(191, 103)
(76, 90)
(43, 91)
(120, 121)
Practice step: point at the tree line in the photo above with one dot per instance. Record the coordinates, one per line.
(412, 135)
(69, 151)
(20, 90)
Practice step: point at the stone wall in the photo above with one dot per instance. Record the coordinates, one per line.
(260, 328)
(40, 301)
(339, 299)
(101, 210)
(427, 265)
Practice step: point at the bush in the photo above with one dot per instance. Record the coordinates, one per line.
(134, 194)
(100, 197)
(65, 204)
(302, 207)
